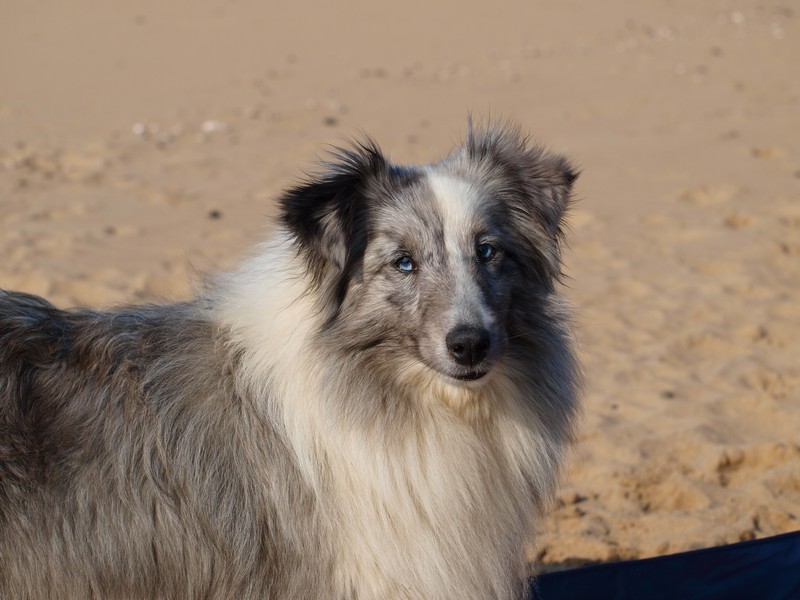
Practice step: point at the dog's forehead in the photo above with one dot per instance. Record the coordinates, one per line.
(457, 198)
(443, 202)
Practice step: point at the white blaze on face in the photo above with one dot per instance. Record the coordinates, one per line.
(458, 202)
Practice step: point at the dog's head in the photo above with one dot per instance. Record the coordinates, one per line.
(443, 265)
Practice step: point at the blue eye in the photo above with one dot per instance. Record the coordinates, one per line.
(405, 264)
(485, 252)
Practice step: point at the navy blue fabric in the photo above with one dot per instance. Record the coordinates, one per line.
(766, 569)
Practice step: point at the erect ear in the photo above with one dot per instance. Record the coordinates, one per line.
(536, 187)
(327, 214)
(550, 180)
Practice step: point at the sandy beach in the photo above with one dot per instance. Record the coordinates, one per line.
(143, 146)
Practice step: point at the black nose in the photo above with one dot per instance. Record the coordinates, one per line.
(468, 345)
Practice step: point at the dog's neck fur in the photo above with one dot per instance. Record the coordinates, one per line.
(394, 505)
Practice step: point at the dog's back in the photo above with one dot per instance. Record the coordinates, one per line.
(125, 464)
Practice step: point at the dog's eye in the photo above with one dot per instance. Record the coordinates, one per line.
(405, 264)
(485, 252)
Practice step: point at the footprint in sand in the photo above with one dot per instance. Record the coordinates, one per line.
(675, 492)
(740, 466)
(709, 195)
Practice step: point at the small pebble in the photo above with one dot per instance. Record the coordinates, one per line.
(214, 126)
(251, 112)
(737, 221)
(768, 152)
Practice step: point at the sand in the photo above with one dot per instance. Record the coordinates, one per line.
(142, 146)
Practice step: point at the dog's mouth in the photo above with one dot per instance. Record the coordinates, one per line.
(471, 376)
(474, 374)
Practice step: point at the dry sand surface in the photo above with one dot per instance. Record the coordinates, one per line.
(141, 143)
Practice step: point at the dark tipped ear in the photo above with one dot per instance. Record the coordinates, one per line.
(544, 180)
(535, 185)
(327, 213)
(551, 178)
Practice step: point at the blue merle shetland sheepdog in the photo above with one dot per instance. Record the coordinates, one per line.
(375, 405)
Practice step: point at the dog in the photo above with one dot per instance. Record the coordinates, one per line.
(375, 404)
